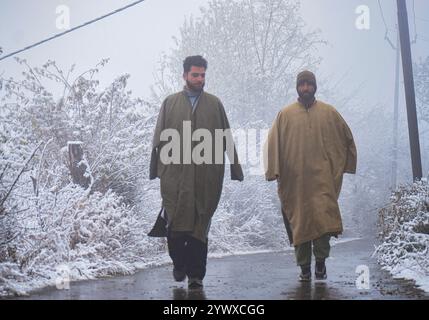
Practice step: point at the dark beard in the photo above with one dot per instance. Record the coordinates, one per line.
(192, 88)
(306, 99)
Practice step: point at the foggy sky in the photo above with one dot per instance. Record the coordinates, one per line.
(135, 38)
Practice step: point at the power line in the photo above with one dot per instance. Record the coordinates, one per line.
(382, 15)
(417, 36)
(386, 35)
(72, 29)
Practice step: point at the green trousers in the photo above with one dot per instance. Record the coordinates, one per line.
(321, 249)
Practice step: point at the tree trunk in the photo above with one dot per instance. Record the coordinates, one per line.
(77, 167)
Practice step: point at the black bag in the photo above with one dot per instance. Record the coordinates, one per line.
(159, 230)
(288, 227)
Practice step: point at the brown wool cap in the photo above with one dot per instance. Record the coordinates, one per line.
(306, 76)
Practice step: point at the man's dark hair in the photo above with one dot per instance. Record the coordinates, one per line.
(196, 61)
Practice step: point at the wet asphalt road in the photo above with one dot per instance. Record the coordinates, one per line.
(266, 276)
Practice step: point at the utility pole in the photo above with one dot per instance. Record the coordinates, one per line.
(407, 66)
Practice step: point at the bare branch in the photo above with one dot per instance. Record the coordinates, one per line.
(19, 175)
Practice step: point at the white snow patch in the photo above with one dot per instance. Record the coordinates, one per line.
(404, 250)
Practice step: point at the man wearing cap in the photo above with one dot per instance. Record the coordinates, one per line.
(309, 148)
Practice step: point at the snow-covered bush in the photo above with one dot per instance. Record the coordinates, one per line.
(249, 217)
(404, 233)
(245, 224)
(47, 223)
(88, 235)
(114, 128)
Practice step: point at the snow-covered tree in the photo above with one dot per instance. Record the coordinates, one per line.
(254, 50)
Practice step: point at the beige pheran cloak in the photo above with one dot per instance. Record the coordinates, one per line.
(308, 150)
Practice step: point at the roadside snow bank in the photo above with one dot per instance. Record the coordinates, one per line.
(404, 233)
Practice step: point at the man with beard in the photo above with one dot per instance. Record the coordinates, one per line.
(308, 150)
(191, 189)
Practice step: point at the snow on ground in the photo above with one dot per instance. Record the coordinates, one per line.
(404, 225)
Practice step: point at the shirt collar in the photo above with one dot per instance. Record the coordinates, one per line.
(191, 93)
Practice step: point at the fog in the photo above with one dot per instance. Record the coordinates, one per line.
(134, 39)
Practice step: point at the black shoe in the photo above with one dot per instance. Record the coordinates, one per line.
(320, 270)
(305, 275)
(179, 275)
(195, 283)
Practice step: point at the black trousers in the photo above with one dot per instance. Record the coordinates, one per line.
(188, 254)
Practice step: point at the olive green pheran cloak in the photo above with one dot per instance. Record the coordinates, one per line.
(191, 192)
